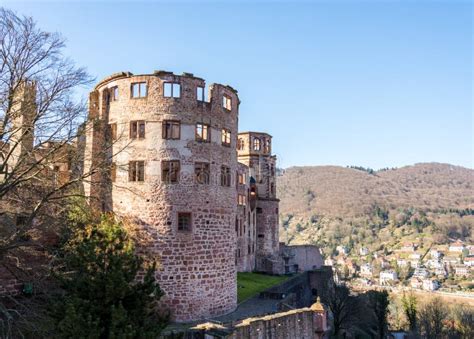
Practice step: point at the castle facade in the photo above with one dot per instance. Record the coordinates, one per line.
(202, 194)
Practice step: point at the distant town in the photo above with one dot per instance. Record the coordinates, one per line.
(447, 268)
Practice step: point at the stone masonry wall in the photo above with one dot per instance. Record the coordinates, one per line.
(197, 267)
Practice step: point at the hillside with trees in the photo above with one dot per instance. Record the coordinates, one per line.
(356, 206)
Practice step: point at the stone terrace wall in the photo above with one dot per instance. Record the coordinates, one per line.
(304, 323)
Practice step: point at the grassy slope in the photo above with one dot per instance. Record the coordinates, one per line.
(250, 284)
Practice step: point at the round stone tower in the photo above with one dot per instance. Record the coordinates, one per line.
(172, 146)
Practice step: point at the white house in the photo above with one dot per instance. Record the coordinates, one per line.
(457, 246)
(469, 261)
(430, 285)
(441, 271)
(415, 256)
(402, 262)
(421, 272)
(435, 254)
(342, 249)
(461, 270)
(366, 270)
(388, 276)
(364, 251)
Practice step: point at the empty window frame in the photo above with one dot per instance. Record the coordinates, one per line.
(171, 90)
(225, 137)
(267, 146)
(137, 129)
(203, 132)
(171, 129)
(139, 90)
(170, 171)
(241, 178)
(202, 173)
(226, 102)
(256, 144)
(114, 93)
(184, 222)
(136, 171)
(113, 131)
(225, 176)
(242, 199)
(240, 144)
(200, 94)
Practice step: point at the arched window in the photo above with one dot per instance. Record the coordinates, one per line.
(256, 144)
(240, 144)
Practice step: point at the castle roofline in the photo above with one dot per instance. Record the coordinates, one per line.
(253, 132)
(158, 73)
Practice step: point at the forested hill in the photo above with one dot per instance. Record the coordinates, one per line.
(320, 200)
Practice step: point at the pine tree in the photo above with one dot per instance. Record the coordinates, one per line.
(103, 297)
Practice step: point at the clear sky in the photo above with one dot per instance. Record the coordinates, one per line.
(372, 83)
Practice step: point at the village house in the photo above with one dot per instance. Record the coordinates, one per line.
(421, 272)
(461, 270)
(416, 283)
(342, 250)
(430, 284)
(364, 251)
(408, 247)
(402, 262)
(366, 270)
(457, 247)
(441, 272)
(388, 277)
(435, 254)
(469, 261)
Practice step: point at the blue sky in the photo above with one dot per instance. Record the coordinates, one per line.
(372, 83)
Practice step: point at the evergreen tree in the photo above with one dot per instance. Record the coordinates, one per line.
(103, 295)
(410, 309)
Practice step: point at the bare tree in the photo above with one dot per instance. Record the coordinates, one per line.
(431, 319)
(343, 307)
(39, 122)
(40, 139)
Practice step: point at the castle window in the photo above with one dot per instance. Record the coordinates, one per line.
(272, 189)
(226, 102)
(136, 171)
(113, 172)
(260, 236)
(267, 147)
(171, 90)
(225, 176)
(240, 144)
(225, 137)
(170, 171)
(202, 132)
(113, 131)
(241, 177)
(184, 222)
(241, 199)
(200, 93)
(259, 210)
(256, 144)
(137, 129)
(114, 93)
(139, 90)
(171, 129)
(202, 173)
